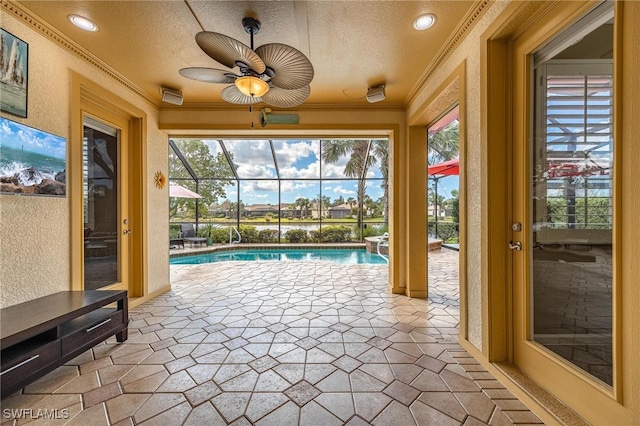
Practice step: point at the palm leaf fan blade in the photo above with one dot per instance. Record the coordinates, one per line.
(232, 95)
(282, 98)
(292, 68)
(228, 51)
(208, 75)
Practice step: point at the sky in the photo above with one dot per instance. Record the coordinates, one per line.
(300, 170)
(19, 136)
(446, 184)
(297, 160)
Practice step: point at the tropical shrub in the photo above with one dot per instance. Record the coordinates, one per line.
(206, 230)
(268, 236)
(220, 235)
(370, 231)
(447, 231)
(174, 230)
(315, 236)
(455, 209)
(331, 234)
(249, 234)
(296, 236)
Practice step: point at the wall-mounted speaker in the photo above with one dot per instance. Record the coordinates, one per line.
(171, 96)
(376, 94)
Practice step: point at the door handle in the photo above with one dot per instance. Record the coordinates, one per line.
(515, 246)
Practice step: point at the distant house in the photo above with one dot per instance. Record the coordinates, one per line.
(441, 211)
(286, 210)
(218, 209)
(316, 211)
(259, 210)
(340, 212)
(293, 211)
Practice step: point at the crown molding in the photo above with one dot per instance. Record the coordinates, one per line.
(465, 26)
(55, 36)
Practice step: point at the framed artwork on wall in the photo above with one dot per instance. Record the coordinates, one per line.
(14, 62)
(32, 162)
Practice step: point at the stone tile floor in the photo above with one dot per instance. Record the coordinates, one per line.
(280, 344)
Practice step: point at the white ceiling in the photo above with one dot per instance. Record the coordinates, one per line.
(352, 45)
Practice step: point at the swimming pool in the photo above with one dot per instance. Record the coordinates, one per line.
(343, 256)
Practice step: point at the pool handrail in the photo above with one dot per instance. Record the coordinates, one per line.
(231, 240)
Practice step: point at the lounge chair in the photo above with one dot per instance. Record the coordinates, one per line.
(189, 234)
(176, 242)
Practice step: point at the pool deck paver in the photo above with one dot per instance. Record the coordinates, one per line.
(278, 343)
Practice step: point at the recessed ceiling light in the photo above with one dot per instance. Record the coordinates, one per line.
(423, 22)
(83, 23)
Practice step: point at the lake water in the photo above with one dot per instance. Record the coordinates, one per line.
(288, 225)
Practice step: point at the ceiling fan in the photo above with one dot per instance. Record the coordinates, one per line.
(275, 73)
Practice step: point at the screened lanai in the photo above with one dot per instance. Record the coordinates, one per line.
(281, 190)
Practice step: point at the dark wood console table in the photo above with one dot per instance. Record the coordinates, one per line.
(39, 335)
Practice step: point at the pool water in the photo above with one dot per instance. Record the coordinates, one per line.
(343, 256)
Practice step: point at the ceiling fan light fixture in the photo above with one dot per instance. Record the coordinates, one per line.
(83, 23)
(279, 72)
(252, 86)
(425, 21)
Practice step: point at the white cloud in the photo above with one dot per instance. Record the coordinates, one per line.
(292, 186)
(253, 158)
(290, 152)
(333, 170)
(312, 171)
(255, 171)
(259, 186)
(213, 145)
(343, 191)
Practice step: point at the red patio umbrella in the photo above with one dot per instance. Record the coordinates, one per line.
(446, 168)
(438, 171)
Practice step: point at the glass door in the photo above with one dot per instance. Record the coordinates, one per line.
(563, 194)
(572, 214)
(104, 201)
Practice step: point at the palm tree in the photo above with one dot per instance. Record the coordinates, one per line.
(362, 155)
(380, 150)
(304, 204)
(236, 209)
(292, 207)
(368, 203)
(455, 205)
(444, 145)
(438, 202)
(322, 203)
(351, 201)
